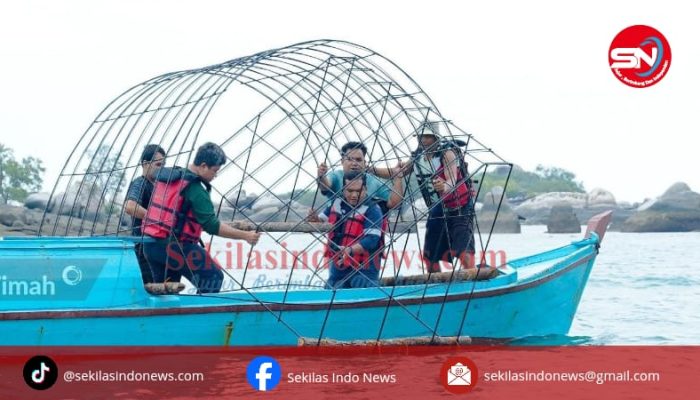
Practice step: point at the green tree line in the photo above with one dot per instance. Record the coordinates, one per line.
(528, 183)
(18, 178)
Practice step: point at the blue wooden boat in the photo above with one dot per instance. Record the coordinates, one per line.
(77, 281)
(532, 296)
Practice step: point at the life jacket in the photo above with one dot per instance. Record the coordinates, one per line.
(456, 198)
(168, 214)
(350, 228)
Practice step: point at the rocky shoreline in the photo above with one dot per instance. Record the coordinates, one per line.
(21, 221)
(676, 210)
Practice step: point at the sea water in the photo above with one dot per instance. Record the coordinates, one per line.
(644, 287)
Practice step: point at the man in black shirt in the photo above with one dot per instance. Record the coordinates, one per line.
(139, 196)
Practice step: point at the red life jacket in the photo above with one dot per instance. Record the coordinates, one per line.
(351, 230)
(458, 197)
(168, 214)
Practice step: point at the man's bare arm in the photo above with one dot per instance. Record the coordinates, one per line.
(134, 209)
(232, 233)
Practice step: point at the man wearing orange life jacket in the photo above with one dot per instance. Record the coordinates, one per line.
(355, 239)
(180, 210)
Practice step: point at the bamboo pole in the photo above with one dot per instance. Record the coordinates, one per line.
(409, 341)
(307, 227)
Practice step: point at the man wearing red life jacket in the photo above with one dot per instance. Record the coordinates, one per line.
(438, 172)
(180, 210)
(355, 239)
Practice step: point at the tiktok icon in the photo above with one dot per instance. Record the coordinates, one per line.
(40, 372)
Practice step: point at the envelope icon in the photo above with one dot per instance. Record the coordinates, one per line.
(459, 375)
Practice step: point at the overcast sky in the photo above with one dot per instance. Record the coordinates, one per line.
(529, 78)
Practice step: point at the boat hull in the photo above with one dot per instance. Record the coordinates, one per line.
(542, 305)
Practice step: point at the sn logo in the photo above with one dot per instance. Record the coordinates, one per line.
(628, 58)
(639, 56)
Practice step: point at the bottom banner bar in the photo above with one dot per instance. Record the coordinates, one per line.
(600, 372)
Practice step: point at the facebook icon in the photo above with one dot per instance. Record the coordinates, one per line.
(263, 373)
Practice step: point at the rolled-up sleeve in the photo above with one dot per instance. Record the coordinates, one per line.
(335, 180)
(135, 190)
(202, 208)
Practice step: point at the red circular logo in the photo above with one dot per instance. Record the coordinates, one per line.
(459, 375)
(639, 56)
